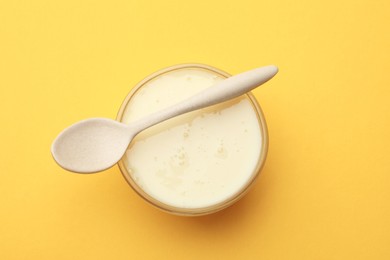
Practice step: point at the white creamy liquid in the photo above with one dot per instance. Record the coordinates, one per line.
(198, 159)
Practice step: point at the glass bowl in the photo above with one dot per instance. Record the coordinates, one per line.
(234, 197)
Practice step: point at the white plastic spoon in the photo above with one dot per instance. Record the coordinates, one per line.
(96, 144)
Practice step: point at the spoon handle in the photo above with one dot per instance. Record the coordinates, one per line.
(225, 90)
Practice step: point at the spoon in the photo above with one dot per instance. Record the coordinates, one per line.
(96, 144)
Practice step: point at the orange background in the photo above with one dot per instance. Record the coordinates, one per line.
(324, 191)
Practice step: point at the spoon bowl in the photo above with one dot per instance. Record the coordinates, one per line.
(91, 145)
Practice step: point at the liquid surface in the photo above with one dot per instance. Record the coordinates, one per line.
(198, 159)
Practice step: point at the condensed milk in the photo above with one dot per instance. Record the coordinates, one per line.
(202, 161)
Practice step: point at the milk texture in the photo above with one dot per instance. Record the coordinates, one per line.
(199, 159)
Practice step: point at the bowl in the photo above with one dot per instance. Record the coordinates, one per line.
(174, 185)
